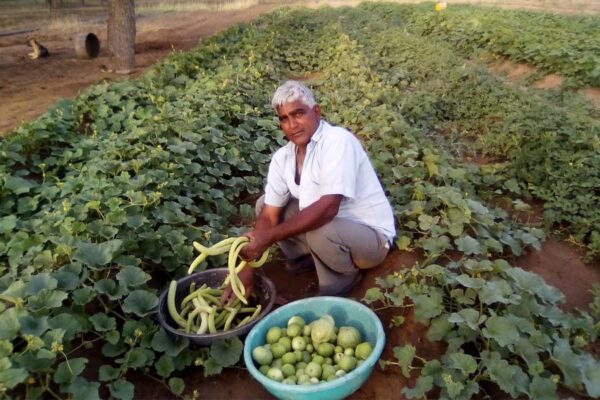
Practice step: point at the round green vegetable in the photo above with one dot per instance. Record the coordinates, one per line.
(262, 356)
(278, 350)
(294, 330)
(288, 370)
(363, 350)
(306, 330)
(287, 342)
(313, 370)
(338, 357)
(301, 365)
(348, 337)
(328, 371)
(303, 380)
(322, 329)
(306, 357)
(298, 355)
(288, 358)
(326, 349)
(274, 334)
(264, 369)
(275, 374)
(318, 359)
(299, 343)
(347, 363)
(296, 319)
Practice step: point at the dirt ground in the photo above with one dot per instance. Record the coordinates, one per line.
(28, 88)
(558, 262)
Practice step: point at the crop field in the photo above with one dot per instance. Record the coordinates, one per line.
(101, 198)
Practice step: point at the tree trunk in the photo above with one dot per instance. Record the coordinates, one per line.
(121, 35)
(51, 8)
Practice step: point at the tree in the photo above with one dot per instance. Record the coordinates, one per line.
(121, 35)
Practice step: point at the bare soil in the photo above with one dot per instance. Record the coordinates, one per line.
(29, 87)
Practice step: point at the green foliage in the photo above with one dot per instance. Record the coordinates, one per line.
(102, 196)
(567, 45)
(518, 339)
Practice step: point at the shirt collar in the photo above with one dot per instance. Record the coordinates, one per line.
(318, 133)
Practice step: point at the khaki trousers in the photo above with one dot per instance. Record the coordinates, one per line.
(339, 249)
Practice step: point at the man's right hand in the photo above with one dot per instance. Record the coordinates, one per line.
(247, 278)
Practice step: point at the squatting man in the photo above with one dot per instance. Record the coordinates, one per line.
(323, 203)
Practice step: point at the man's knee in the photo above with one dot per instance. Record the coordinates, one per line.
(325, 244)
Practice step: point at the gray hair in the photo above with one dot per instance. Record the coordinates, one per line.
(291, 91)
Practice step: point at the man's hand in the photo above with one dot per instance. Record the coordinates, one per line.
(247, 278)
(259, 242)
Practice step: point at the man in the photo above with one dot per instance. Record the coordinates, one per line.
(323, 203)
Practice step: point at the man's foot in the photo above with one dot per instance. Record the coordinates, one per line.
(300, 265)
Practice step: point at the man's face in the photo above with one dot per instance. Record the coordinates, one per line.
(298, 121)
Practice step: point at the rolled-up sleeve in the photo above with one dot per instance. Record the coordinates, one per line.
(277, 192)
(339, 166)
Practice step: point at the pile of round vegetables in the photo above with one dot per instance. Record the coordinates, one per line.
(201, 310)
(307, 354)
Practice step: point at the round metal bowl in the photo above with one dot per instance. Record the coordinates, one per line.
(264, 291)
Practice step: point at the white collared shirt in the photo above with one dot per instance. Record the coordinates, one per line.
(335, 163)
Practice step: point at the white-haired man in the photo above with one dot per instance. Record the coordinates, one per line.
(323, 203)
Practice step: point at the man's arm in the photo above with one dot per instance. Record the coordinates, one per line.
(268, 230)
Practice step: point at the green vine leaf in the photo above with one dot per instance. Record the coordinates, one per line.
(132, 276)
(428, 306)
(140, 303)
(177, 385)
(108, 373)
(405, 356)
(543, 388)
(423, 385)
(468, 245)
(227, 352)
(121, 389)
(67, 371)
(82, 389)
(164, 343)
(463, 362)
(164, 366)
(502, 330)
(212, 367)
(103, 322)
(9, 378)
(39, 282)
(97, 254)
